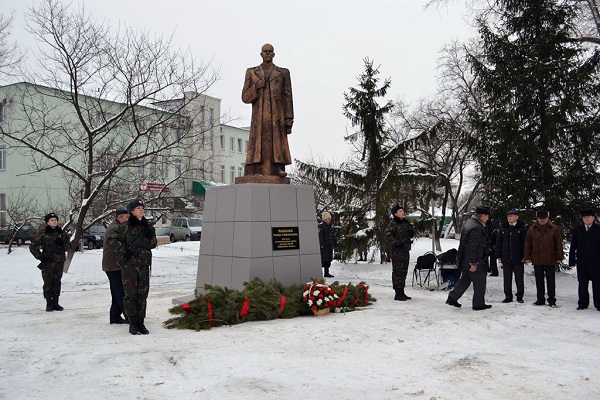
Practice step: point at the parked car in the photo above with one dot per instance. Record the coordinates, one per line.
(183, 228)
(25, 234)
(91, 242)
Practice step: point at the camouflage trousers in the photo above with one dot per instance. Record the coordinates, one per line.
(52, 274)
(136, 285)
(399, 269)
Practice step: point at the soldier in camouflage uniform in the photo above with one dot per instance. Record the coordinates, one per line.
(49, 246)
(133, 241)
(398, 235)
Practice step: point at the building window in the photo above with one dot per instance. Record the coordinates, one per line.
(246, 147)
(210, 171)
(223, 142)
(232, 144)
(3, 154)
(1, 111)
(222, 173)
(3, 209)
(240, 171)
(240, 142)
(212, 129)
(202, 170)
(177, 165)
(231, 174)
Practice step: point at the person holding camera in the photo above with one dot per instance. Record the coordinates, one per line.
(49, 246)
(133, 241)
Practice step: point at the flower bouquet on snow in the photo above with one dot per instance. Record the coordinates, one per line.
(319, 298)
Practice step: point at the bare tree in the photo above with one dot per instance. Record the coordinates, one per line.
(105, 104)
(10, 56)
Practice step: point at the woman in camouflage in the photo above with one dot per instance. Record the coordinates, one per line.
(134, 241)
(49, 246)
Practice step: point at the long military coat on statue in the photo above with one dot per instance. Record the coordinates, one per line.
(271, 107)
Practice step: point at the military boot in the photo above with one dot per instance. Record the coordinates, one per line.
(55, 305)
(134, 328)
(49, 305)
(142, 327)
(405, 296)
(399, 295)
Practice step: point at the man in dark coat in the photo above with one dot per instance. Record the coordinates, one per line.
(134, 241)
(269, 89)
(49, 246)
(398, 236)
(544, 249)
(113, 271)
(510, 247)
(472, 259)
(327, 242)
(585, 253)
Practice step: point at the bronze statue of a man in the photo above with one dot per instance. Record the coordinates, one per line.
(269, 89)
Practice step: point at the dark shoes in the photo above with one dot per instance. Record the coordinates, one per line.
(401, 296)
(142, 327)
(134, 329)
(507, 300)
(520, 301)
(55, 305)
(49, 305)
(483, 307)
(539, 303)
(119, 321)
(453, 303)
(581, 308)
(328, 275)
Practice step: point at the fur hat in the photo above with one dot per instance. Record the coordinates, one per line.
(512, 211)
(587, 212)
(120, 211)
(395, 209)
(481, 209)
(135, 203)
(542, 214)
(325, 215)
(50, 215)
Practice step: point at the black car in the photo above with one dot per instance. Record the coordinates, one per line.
(25, 234)
(91, 242)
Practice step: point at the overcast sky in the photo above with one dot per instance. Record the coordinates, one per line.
(322, 43)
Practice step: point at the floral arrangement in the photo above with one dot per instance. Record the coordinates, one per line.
(260, 301)
(319, 296)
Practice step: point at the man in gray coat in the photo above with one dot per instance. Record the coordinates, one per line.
(113, 271)
(472, 259)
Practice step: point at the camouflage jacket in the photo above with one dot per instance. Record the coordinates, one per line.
(49, 245)
(122, 239)
(398, 235)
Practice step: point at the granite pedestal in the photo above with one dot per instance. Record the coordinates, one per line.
(238, 232)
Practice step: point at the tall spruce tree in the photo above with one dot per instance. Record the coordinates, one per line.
(364, 185)
(538, 130)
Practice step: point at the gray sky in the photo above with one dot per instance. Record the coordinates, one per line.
(322, 43)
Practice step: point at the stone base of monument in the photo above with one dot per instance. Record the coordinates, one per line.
(259, 230)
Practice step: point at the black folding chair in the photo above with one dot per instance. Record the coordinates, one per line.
(424, 267)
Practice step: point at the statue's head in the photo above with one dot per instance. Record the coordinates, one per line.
(267, 53)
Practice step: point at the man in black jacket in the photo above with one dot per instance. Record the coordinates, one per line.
(327, 242)
(472, 259)
(585, 253)
(510, 245)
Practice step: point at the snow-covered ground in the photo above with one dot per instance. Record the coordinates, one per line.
(419, 349)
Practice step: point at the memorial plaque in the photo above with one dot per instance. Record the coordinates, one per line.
(285, 238)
